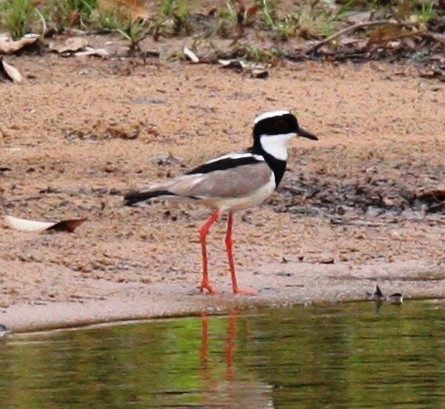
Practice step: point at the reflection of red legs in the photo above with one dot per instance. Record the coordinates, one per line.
(229, 247)
(208, 384)
(229, 349)
(205, 283)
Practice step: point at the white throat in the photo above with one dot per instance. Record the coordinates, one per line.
(276, 145)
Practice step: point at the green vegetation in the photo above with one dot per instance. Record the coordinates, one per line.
(135, 32)
(242, 21)
(61, 14)
(426, 12)
(17, 16)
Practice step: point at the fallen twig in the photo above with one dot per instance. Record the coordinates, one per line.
(321, 43)
(438, 38)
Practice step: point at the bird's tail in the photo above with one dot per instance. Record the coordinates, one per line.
(135, 196)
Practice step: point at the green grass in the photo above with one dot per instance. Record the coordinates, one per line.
(312, 19)
(135, 32)
(17, 16)
(268, 9)
(107, 19)
(427, 12)
(174, 17)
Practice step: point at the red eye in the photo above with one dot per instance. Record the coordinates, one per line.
(282, 125)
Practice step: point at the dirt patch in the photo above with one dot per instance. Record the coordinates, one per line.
(364, 204)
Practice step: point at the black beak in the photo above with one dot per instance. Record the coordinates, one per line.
(306, 134)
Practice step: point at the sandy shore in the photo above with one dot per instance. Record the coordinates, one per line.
(281, 285)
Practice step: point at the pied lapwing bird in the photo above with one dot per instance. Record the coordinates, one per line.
(233, 182)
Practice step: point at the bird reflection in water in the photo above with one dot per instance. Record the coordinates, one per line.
(240, 386)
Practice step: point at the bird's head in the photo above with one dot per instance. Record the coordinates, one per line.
(273, 130)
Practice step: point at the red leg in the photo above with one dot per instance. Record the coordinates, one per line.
(229, 246)
(205, 283)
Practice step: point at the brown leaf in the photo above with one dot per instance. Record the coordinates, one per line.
(435, 195)
(38, 226)
(70, 45)
(9, 72)
(259, 73)
(10, 47)
(128, 9)
(384, 34)
(427, 72)
(251, 11)
(68, 225)
(89, 51)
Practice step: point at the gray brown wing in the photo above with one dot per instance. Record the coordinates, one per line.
(229, 183)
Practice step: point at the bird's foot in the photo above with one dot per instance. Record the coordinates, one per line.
(208, 287)
(244, 292)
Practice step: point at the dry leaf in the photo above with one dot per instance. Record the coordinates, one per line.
(251, 11)
(231, 64)
(8, 46)
(10, 72)
(434, 195)
(26, 225)
(70, 45)
(259, 73)
(191, 55)
(98, 52)
(255, 71)
(130, 9)
(68, 225)
(386, 33)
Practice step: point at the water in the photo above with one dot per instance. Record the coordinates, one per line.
(343, 356)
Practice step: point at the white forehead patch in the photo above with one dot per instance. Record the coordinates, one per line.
(270, 114)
